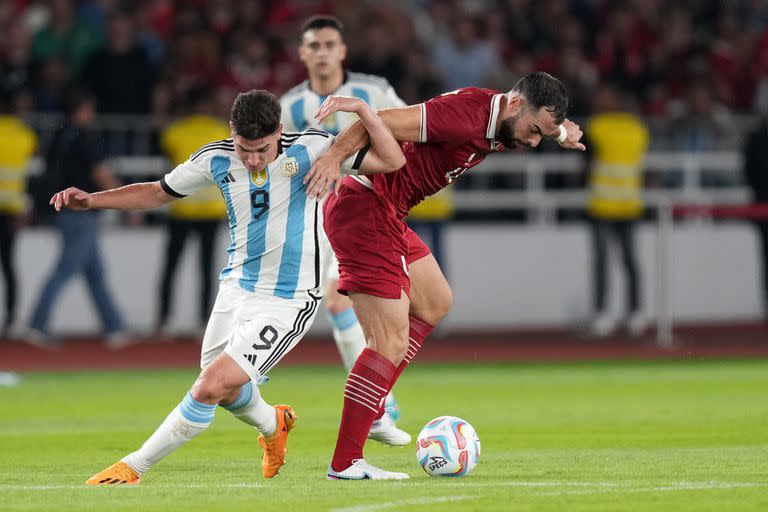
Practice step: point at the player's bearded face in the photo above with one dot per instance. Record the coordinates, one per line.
(507, 132)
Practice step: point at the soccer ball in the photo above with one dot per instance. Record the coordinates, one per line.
(448, 446)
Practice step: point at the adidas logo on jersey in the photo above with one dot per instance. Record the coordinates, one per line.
(229, 178)
(251, 358)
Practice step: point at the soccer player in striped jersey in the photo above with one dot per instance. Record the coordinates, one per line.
(323, 52)
(271, 285)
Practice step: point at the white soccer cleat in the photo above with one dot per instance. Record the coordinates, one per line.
(361, 470)
(602, 325)
(386, 432)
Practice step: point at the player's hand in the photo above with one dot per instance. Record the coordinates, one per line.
(574, 136)
(324, 175)
(333, 104)
(73, 199)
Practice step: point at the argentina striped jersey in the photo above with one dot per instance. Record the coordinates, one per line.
(301, 103)
(274, 227)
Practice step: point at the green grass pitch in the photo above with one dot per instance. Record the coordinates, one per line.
(566, 437)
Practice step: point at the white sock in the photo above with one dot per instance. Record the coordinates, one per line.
(349, 337)
(188, 420)
(250, 408)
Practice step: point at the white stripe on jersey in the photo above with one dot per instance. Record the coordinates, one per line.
(273, 225)
(300, 103)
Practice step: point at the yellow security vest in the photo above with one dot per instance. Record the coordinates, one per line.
(181, 139)
(437, 207)
(619, 141)
(17, 144)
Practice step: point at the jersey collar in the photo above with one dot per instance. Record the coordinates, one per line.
(490, 132)
(344, 81)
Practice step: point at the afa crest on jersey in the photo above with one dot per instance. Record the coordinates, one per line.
(259, 178)
(290, 167)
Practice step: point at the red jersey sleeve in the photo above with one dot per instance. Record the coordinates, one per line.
(456, 116)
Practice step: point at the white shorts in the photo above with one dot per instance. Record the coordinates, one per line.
(255, 329)
(330, 263)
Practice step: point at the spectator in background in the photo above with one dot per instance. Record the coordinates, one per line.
(76, 158)
(705, 124)
(17, 144)
(199, 213)
(381, 56)
(756, 174)
(616, 144)
(51, 85)
(120, 75)
(15, 61)
(65, 37)
(477, 57)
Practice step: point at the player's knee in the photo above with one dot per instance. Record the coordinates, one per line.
(336, 303)
(437, 307)
(210, 389)
(443, 304)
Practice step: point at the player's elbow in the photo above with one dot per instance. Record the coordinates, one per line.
(397, 162)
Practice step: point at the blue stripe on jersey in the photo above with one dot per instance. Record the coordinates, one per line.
(297, 112)
(219, 169)
(290, 264)
(256, 242)
(362, 94)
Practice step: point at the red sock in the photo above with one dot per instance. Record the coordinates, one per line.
(418, 330)
(364, 394)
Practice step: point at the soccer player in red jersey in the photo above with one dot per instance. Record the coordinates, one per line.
(397, 288)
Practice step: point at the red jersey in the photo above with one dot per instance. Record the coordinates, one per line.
(457, 131)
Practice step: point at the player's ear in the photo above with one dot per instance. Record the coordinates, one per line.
(232, 129)
(515, 103)
(343, 50)
(302, 52)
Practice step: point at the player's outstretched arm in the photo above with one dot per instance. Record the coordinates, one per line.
(384, 154)
(138, 196)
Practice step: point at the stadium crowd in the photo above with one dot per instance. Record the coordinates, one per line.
(687, 67)
(680, 59)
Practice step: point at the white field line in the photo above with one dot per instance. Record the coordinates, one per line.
(20, 487)
(570, 487)
(402, 503)
(676, 487)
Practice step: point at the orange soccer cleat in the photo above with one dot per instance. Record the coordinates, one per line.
(274, 445)
(117, 473)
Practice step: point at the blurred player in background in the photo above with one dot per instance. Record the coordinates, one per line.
(271, 285)
(617, 141)
(17, 145)
(77, 157)
(395, 284)
(756, 175)
(200, 213)
(323, 52)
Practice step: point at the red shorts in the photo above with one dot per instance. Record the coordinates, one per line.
(373, 244)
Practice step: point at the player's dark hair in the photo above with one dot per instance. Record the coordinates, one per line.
(542, 90)
(255, 114)
(318, 22)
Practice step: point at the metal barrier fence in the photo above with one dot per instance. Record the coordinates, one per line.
(706, 178)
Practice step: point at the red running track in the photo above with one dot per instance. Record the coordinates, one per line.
(714, 341)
